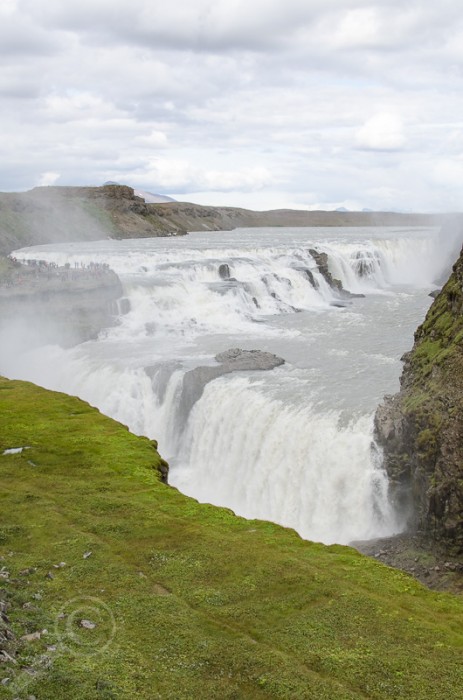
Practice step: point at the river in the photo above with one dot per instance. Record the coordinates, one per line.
(295, 444)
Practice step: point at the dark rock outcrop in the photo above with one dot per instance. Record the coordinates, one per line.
(321, 260)
(224, 271)
(232, 360)
(421, 428)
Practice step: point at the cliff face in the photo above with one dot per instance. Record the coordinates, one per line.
(57, 305)
(53, 214)
(421, 427)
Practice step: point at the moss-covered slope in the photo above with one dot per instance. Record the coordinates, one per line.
(421, 428)
(144, 593)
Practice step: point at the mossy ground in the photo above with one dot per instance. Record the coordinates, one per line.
(439, 339)
(189, 600)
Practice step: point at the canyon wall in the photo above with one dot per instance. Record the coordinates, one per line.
(421, 428)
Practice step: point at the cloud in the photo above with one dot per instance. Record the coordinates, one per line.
(47, 179)
(201, 25)
(329, 101)
(184, 176)
(155, 139)
(382, 132)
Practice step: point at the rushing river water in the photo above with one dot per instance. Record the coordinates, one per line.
(294, 444)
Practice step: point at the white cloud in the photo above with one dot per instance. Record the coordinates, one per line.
(448, 173)
(8, 8)
(47, 179)
(182, 175)
(155, 139)
(359, 27)
(382, 132)
(300, 102)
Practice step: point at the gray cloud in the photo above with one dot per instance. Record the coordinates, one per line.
(279, 102)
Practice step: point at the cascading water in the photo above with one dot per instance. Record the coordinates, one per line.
(300, 467)
(293, 445)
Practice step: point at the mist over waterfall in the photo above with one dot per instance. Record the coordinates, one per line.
(285, 447)
(293, 444)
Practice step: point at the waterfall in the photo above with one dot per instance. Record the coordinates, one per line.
(293, 445)
(294, 465)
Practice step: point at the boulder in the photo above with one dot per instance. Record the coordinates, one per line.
(232, 360)
(224, 271)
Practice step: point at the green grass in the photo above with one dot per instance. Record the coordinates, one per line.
(189, 600)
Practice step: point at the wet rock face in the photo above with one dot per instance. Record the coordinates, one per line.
(322, 263)
(224, 271)
(61, 304)
(420, 429)
(232, 360)
(321, 260)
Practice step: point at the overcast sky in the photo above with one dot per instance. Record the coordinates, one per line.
(257, 103)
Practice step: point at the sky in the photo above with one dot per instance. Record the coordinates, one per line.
(309, 104)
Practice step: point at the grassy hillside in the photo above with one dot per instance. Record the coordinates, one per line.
(181, 600)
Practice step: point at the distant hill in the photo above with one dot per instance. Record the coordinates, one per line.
(54, 214)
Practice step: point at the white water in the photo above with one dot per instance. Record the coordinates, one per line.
(293, 445)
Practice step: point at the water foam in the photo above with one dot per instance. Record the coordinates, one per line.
(263, 453)
(293, 465)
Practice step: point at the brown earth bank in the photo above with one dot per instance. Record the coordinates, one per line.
(54, 214)
(420, 429)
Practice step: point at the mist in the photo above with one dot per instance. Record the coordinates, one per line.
(51, 215)
(448, 245)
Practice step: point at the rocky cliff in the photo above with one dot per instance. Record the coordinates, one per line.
(49, 214)
(50, 304)
(421, 427)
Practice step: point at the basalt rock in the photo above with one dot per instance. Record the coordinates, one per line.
(232, 360)
(421, 428)
(321, 260)
(224, 271)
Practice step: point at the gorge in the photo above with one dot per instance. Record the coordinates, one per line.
(189, 598)
(227, 439)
